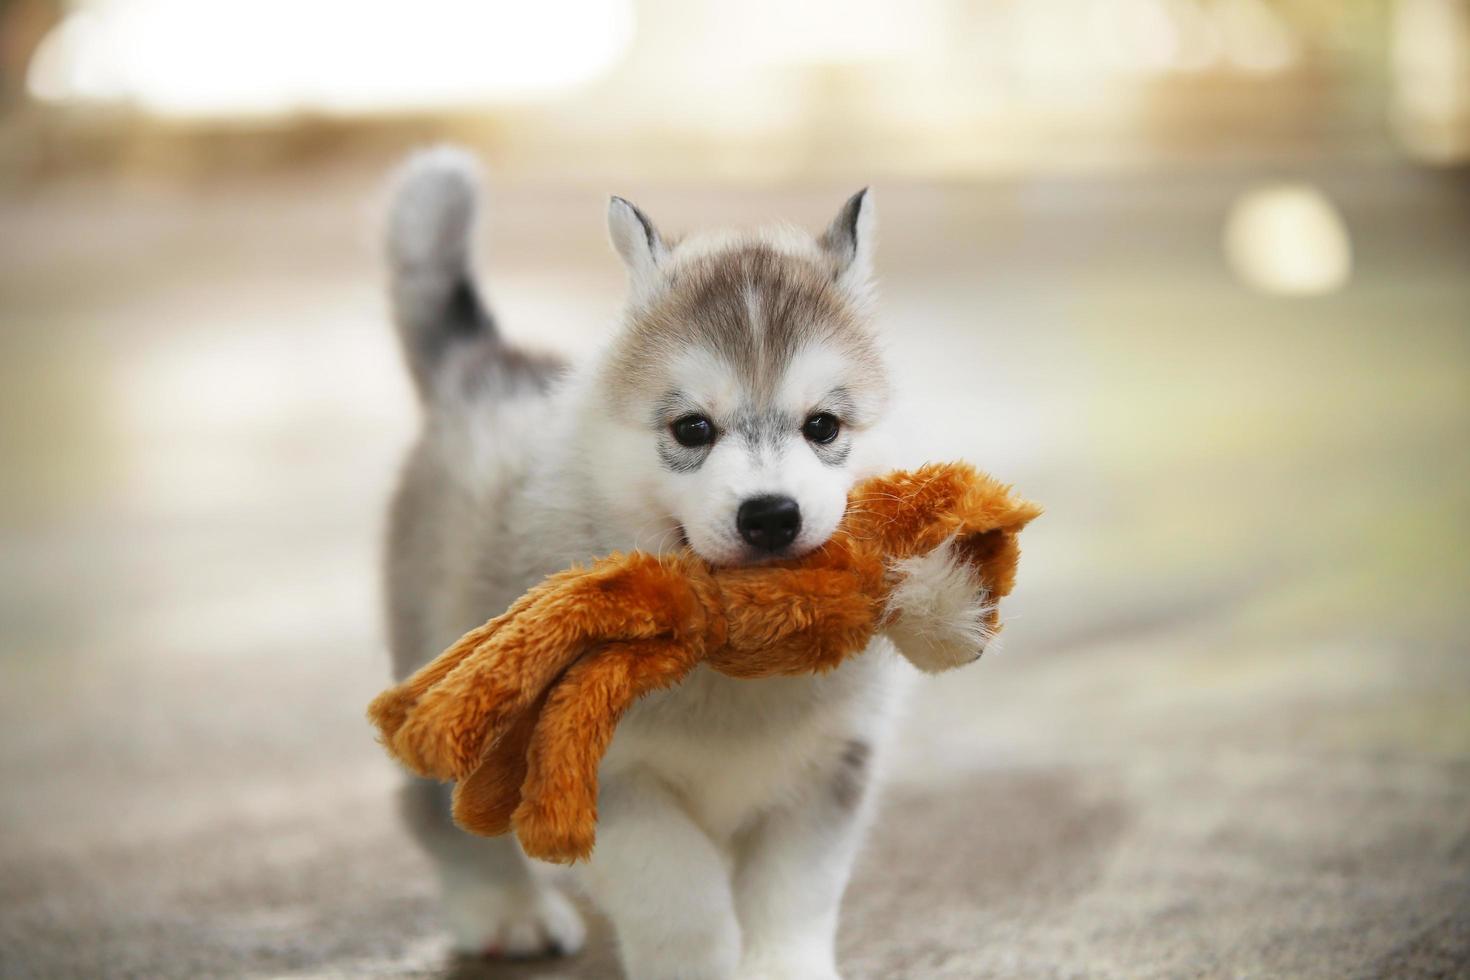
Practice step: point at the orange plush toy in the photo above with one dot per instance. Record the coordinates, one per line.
(521, 710)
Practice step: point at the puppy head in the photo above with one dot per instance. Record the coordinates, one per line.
(744, 387)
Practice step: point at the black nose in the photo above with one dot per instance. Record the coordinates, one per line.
(769, 523)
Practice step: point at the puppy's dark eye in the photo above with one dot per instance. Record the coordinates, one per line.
(821, 427)
(693, 430)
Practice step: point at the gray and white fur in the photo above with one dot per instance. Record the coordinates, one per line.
(730, 810)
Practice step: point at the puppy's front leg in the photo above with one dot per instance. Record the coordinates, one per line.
(494, 903)
(793, 869)
(664, 885)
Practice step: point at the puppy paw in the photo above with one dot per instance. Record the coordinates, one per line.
(773, 965)
(939, 615)
(511, 922)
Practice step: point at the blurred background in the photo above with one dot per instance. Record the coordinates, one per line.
(1193, 273)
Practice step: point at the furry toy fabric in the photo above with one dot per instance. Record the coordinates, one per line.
(521, 710)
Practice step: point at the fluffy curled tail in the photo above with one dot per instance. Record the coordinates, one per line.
(435, 302)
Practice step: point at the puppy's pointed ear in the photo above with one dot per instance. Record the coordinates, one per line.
(638, 242)
(849, 239)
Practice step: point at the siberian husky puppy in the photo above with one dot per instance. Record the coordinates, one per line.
(730, 411)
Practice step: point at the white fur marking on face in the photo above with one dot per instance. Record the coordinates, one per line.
(814, 372)
(706, 380)
(939, 611)
(705, 501)
(753, 310)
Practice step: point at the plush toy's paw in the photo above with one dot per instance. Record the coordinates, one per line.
(939, 614)
(550, 829)
(511, 922)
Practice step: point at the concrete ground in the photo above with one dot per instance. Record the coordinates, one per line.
(1227, 735)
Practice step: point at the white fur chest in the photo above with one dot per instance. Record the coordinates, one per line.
(732, 749)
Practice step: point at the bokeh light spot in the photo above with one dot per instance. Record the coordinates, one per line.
(1288, 239)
